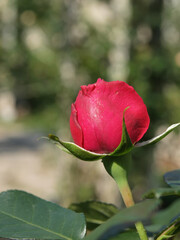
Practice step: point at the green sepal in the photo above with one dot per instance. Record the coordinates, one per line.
(76, 150)
(124, 147)
(159, 137)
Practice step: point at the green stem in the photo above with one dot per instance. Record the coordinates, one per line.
(167, 232)
(116, 167)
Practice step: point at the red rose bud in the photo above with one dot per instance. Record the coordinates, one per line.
(97, 116)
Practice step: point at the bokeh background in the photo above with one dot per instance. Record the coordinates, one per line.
(48, 49)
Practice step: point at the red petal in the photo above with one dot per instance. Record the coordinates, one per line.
(76, 130)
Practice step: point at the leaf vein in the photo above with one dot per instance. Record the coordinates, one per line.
(37, 226)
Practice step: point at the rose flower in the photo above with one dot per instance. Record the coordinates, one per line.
(97, 116)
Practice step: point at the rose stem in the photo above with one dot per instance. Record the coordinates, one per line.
(128, 200)
(117, 169)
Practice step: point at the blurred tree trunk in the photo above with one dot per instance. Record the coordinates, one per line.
(148, 74)
(148, 57)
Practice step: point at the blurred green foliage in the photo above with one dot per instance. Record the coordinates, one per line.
(49, 48)
(155, 69)
(54, 51)
(154, 65)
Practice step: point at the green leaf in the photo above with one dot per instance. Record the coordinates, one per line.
(158, 138)
(76, 150)
(162, 192)
(95, 212)
(23, 215)
(129, 235)
(115, 230)
(173, 178)
(166, 222)
(164, 219)
(123, 220)
(125, 145)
